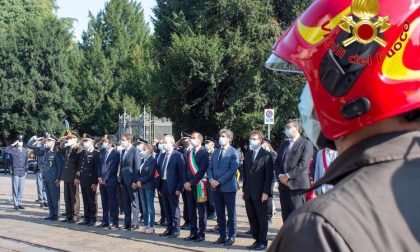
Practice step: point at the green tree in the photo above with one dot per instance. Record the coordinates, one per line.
(35, 72)
(117, 66)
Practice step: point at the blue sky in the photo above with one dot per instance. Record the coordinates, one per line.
(79, 9)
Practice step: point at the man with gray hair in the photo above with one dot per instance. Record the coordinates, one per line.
(172, 173)
(221, 174)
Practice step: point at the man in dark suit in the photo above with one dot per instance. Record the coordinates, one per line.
(291, 168)
(171, 171)
(108, 182)
(195, 186)
(258, 177)
(221, 173)
(129, 165)
(87, 175)
(160, 155)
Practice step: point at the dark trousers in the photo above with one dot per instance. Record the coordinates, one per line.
(171, 206)
(90, 203)
(258, 219)
(71, 194)
(109, 204)
(193, 206)
(211, 210)
(162, 209)
(131, 204)
(185, 213)
(120, 197)
(270, 207)
(225, 201)
(290, 200)
(53, 196)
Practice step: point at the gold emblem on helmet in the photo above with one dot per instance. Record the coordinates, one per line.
(364, 30)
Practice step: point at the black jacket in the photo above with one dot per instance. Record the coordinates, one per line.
(297, 163)
(88, 167)
(129, 166)
(374, 206)
(71, 163)
(258, 175)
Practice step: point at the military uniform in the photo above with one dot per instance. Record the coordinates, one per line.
(68, 175)
(88, 175)
(40, 152)
(51, 172)
(19, 168)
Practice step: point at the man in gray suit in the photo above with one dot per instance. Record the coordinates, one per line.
(129, 167)
(292, 166)
(221, 174)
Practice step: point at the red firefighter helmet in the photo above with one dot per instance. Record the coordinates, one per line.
(361, 59)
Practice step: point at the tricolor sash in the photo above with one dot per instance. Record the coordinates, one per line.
(201, 186)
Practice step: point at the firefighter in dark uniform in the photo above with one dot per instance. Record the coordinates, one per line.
(69, 150)
(87, 175)
(369, 113)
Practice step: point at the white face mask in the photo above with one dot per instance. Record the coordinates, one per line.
(124, 144)
(70, 142)
(160, 147)
(105, 146)
(223, 141)
(86, 145)
(311, 125)
(254, 144)
(145, 154)
(19, 144)
(167, 147)
(194, 143)
(288, 133)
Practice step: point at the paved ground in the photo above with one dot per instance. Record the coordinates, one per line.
(25, 230)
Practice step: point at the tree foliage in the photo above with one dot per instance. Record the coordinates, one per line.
(35, 72)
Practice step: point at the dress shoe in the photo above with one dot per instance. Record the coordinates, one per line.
(248, 232)
(253, 245)
(45, 204)
(65, 220)
(84, 223)
(16, 208)
(230, 241)
(21, 207)
(103, 225)
(126, 228)
(41, 205)
(221, 240)
(191, 238)
(54, 218)
(163, 223)
(91, 223)
(48, 218)
(136, 227)
(71, 220)
(260, 246)
(174, 235)
(63, 214)
(166, 233)
(185, 226)
(200, 239)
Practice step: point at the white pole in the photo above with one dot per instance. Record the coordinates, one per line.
(269, 132)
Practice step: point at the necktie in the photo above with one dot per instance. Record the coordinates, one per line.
(254, 155)
(165, 164)
(221, 154)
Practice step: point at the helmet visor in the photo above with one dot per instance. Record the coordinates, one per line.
(278, 64)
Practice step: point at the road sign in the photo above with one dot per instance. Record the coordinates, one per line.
(268, 116)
